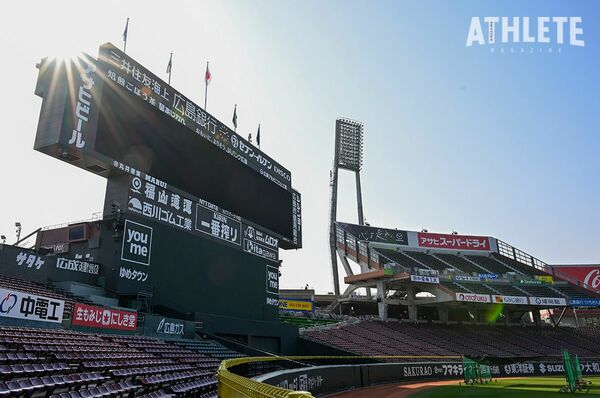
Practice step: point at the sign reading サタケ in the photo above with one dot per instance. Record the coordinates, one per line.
(139, 83)
(153, 199)
(20, 305)
(98, 317)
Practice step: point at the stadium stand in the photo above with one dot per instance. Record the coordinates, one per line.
(400, 338)
(67, 364)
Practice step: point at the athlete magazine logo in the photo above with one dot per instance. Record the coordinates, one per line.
(525, 35)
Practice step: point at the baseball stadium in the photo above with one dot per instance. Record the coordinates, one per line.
(173, 290)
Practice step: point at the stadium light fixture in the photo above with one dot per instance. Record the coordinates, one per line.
(3, 237)
(424, 230)
(18, 231)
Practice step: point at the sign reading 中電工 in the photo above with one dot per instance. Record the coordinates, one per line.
(136, 81)
(137, 243)
(20, 305)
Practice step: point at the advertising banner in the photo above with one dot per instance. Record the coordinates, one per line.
(545, 278)
(138, 83)
(374, 234)
(584, 302)
(424, 279)
(466, 278)
(529, 282)
(453, 242)
(20, 305)
(488, 276)
(296, 305)
(548, 301)
(510, 299)
(103, 318)
(168, 328)
(589, 276)
(473, 297)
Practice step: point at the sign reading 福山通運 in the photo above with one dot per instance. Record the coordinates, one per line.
(20, 305)
(105, 318)
(521, 300)
(473, 297)
(137, 243)
(142, 85)
(453, 242)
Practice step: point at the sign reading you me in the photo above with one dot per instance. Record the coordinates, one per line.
(137, 243)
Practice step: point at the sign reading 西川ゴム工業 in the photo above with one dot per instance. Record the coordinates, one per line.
(104, 318)
(21, 305)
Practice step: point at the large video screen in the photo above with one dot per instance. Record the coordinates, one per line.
(135, 133)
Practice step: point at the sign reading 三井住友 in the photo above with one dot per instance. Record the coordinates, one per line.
(453, 242)
(588, 276)
(473, 297)
(509, 299)
(548, 301)
(424, 279)
(20, 305)
(374, 234)
(70, 264)
(137, 243)
(296, 305)
(98, 317)
(584, 302)
(138, 82)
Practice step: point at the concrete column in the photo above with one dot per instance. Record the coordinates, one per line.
(412, 308)
(382, 306)
(537, 319)
(443, 314)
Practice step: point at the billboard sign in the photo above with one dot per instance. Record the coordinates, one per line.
(473, 297)
(466, 278)
(584, 302)
(103, 318)
(82, 266)
(296, 305)
(548, 301)
(453, 242)
(20, 305)
(588, 276)
(424, 279)
(139, 84)
(137, 243)
(375, 234)
(521, 300)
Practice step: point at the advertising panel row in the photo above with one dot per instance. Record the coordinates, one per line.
(520, 300)
(154, 200)
(20, 305)
(424, 279)
(423, 240)
(588, 276)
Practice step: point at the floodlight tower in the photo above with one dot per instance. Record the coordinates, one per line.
(348, 156)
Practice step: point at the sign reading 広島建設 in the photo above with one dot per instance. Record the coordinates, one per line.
(138, 82)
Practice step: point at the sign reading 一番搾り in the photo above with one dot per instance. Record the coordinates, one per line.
(136, 81)
(21, 305)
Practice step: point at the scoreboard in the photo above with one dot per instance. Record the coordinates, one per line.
(114, 117)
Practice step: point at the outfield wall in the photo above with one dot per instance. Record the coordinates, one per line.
(323, 380)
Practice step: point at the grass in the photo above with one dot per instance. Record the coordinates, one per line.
(527, 387)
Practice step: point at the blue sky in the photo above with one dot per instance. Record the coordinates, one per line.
(456, 138)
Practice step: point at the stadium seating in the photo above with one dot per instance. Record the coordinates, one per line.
(65, 364)
(400, 338)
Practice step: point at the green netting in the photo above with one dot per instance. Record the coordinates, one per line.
(475, 372)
